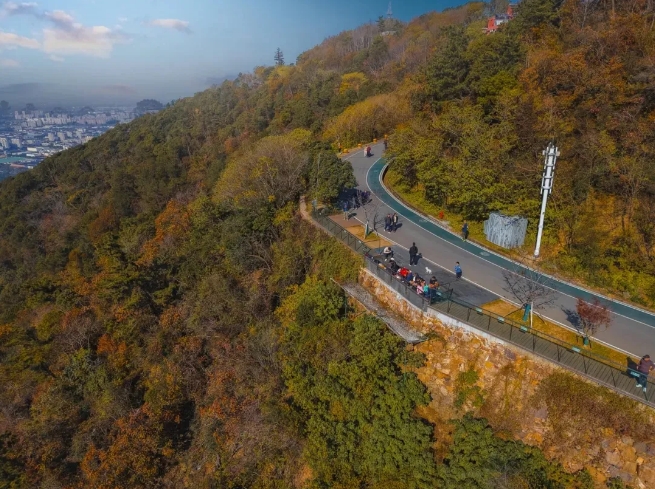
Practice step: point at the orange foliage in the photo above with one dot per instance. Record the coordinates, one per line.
(134, 458)
(171, 226)
(105, 221)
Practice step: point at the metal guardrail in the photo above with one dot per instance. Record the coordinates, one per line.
(602, 370)
(322, 216)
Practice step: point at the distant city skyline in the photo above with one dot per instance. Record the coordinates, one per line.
(76, 52)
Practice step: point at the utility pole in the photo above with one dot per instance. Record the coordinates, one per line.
(551, 154)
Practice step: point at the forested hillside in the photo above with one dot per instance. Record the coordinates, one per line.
(579, 73)
(168, 320)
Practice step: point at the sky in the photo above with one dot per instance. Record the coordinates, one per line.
(75, 52)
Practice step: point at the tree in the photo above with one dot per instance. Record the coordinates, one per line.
(381, 23)
(352, 81)
(279, 57)
(479, 458)
(329, 175)
(446, 74)
(528, 287)
(592, 316)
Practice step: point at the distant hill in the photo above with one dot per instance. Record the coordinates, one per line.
(148, 106)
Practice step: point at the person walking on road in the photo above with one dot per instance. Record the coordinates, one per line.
(387, 222)
(394, 222)
(644, 368)
(465, 231)
(458, 271)
(413, 255)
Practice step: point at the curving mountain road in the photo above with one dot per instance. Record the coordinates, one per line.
(632, 329)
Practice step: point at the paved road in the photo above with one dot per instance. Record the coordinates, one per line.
(632, 329)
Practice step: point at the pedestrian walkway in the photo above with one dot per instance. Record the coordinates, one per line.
(375, 183)
(619, 378)
(632, 330)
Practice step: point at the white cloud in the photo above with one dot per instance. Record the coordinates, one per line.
(9, 39)
(58, 59)
(176, 24)
(65, 35)
(25, 8)
(122, 20)
(9, 63)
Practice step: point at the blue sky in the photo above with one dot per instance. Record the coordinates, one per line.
(124, 50)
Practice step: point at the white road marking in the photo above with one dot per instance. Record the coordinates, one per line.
(570, 328)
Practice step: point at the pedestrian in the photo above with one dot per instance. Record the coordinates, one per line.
(387, 252)
(465, 231)
(394, 222)
(458, 271)
(413, 255)
(346, 214)
(644, 368)
(385, 144)
(387, 222)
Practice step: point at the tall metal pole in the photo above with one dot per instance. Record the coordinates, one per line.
(551, 154)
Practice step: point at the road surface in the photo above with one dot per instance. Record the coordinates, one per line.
(632, 329)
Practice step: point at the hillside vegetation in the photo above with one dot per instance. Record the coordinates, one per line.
(168, 320)
(577, 73)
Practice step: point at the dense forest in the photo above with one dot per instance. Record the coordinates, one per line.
(167, 319)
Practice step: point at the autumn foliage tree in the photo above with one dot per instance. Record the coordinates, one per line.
(366, 120)
(592, 316)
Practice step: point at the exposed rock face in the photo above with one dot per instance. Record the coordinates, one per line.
(506, 391)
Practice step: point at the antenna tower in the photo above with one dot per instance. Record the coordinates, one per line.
(389, 12)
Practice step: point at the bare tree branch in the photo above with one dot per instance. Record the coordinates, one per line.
(527, 286)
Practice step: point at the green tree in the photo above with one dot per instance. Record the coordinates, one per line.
(381, 23)
(348, 379)
(329, 175)
(279, 57)
(447, 71)
(479, 459)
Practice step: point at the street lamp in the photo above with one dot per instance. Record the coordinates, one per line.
(551, 154)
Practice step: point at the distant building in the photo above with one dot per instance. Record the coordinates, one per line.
(494, 22)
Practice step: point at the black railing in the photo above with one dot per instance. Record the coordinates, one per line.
(322, 216)
(611, 374)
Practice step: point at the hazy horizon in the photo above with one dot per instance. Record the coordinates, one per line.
(79, 52)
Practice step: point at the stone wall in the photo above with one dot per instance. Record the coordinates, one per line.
(615, 440)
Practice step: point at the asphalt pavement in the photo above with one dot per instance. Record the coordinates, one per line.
(632, 329)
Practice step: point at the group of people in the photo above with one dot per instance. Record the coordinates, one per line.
(391, 222)
(411, 279)
(359, 198)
